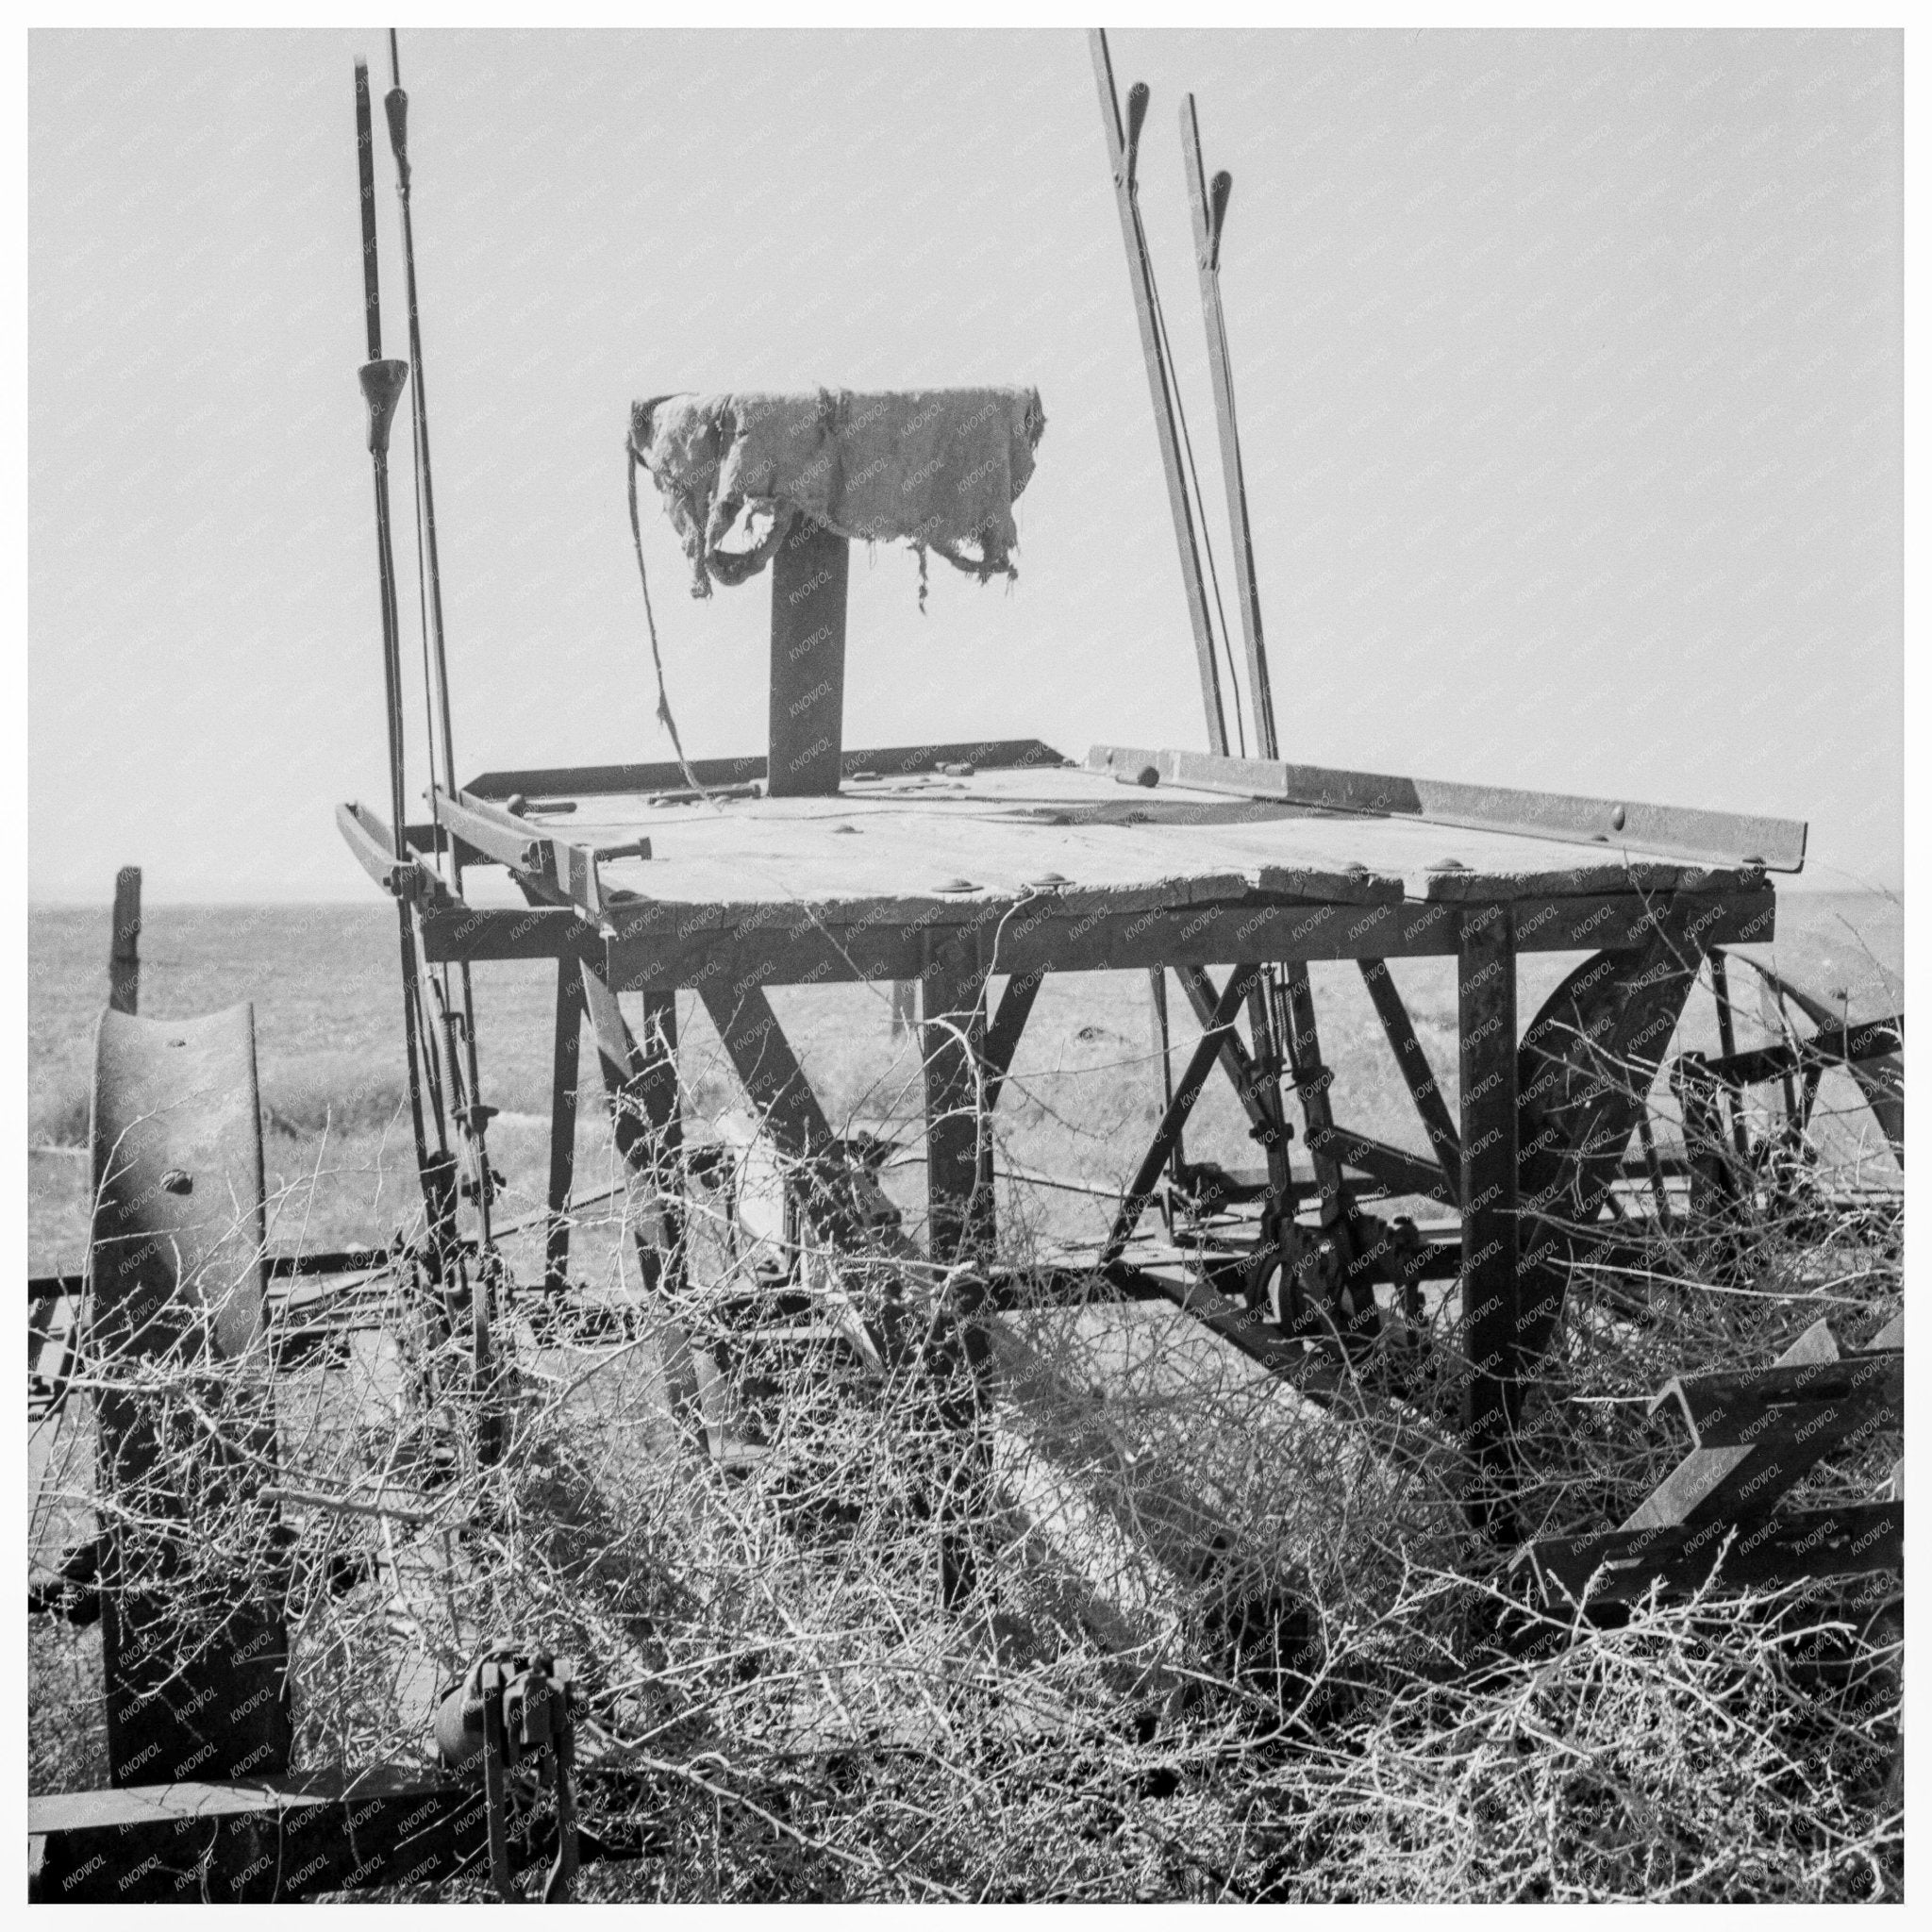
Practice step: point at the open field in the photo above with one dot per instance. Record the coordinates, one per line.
(328, 1032)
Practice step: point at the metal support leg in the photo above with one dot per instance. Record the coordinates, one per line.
(952, 998)
(953, 1041)
(563, 1124)
(1304, 1042)
(1156, 986)
(1728, 1045)
(1486, 1000)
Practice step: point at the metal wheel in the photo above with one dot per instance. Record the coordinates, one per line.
(1585, 1071)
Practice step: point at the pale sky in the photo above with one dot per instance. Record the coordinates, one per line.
(1568, 368)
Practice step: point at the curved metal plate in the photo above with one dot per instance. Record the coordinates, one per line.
(195, 1649)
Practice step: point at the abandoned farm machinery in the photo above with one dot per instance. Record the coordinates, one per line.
(1409, 1295)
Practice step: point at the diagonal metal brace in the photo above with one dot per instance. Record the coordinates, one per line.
(1417, 1073)
(1206, 1051)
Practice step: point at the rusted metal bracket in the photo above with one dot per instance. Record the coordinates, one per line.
(373, 846)
(514, 1709)
(556, 867)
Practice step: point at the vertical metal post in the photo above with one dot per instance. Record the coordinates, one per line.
(1312, 1079)
(1728, 1045)
(1208, 205)
(1265, 1084)
(1156, 986)
(382, 382)
(496, 1782)
(124, 952)
(1122, 150)
(805, 743)
(563, 1124)
(1486, 1002)
(471, 1119)
(562, 1885)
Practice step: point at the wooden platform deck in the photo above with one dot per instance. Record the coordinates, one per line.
(1052, 866)
(931, 842)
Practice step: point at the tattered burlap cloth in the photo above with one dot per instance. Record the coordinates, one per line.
(939, 468)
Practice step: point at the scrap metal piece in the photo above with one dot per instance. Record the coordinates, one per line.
(194, 1645)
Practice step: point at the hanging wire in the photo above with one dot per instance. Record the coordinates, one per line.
(633, 462)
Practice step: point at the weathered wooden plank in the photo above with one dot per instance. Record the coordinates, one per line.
(799, 945)
(124, 949)
(595, 781)
(807, 693)
(266, 1840)
(455, 933)
(1005, 830)
(1713, 837)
